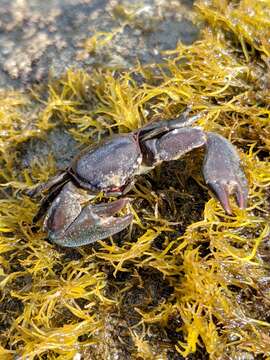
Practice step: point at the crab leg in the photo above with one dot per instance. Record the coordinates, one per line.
(70, 224)
(223, 173)
(162, 127)
(56, 181)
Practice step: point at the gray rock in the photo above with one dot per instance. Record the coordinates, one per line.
(44, 38)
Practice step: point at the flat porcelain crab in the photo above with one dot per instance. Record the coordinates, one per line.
(111, 167)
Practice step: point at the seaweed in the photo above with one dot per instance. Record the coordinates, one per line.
(186, 278)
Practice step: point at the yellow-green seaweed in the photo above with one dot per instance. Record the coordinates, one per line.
(177, 280)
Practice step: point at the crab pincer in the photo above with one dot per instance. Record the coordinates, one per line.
(70, 223)
(223, 173)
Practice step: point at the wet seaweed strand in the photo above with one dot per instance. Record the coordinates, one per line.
(177, 280)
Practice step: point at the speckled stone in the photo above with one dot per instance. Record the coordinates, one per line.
(40, 39)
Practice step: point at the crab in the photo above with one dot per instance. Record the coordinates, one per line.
(111, 167)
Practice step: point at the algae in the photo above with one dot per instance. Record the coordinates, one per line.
(186, 280)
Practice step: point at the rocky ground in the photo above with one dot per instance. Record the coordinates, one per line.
(44, 38)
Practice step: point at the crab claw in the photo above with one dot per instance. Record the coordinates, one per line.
(95, 223)
(223, 173)
(68, 224)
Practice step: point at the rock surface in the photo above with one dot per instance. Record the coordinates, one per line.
(40, 39)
